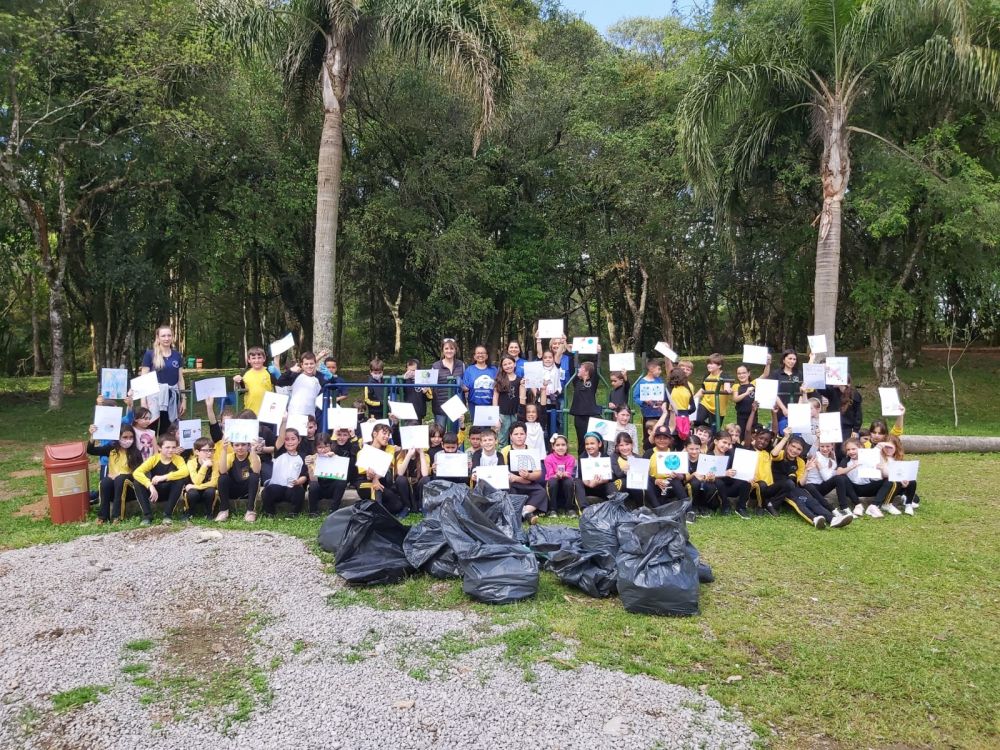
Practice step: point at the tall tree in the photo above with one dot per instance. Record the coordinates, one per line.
(817, 63)
(318, 46)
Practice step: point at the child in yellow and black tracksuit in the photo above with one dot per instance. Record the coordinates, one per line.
(160, 477)
(204, 478)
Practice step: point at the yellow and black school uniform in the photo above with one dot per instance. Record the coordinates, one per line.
(257, 383)
(389, 496)
(116, 482)
(206, 482)
(176, 471)
(707, 408)
(654, 496)
(791, 473)
(534, 489)
(238, 478)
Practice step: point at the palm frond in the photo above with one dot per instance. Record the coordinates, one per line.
(882, 28)
(464, 37)
(951, 68)
(826, 22)
(731, 92)
(250, 27)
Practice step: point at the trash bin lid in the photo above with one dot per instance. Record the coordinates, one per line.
(65, 451)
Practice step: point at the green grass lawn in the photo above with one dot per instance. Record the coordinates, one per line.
(884, 634)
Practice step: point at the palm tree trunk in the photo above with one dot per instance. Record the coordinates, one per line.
(835, 171)
(331, 156)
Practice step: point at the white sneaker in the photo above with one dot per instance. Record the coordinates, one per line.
(819, 522)
(891, 509)
(250, 516)
(908, 509)
(842, 520)
(222, 515)
(167, 521)
(874, 512)
(859, 510)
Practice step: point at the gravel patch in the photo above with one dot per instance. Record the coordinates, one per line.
(175, 607)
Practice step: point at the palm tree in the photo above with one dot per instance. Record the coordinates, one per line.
(318, 47)
(825, 61)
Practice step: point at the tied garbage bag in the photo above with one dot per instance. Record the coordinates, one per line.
(656, 574)
(425, 547)
(331, 533)
(502, 508)
(599, 524)
(372, 548)
(592, 572)
(495, 568)
(546, 539)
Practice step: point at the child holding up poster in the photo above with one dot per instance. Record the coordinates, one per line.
(123, 458)
(906, 491)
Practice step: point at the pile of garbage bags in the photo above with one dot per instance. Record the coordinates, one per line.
(477, 535)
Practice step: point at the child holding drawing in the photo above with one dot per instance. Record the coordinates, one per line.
(123, 458)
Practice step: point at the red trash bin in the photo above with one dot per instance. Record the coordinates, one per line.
(67, 479)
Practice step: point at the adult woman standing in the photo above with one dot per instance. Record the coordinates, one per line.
(790, 386)
(167, 363)
(449, 366)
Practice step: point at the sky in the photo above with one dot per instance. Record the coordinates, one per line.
(605, 13)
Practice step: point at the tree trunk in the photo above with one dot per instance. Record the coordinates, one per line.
(835, 172)
(883, 356)
(331, 156)
(397, 319)
(57, 307)
(663, 305)
(36, 335)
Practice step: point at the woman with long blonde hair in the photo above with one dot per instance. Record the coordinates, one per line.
(167, 363)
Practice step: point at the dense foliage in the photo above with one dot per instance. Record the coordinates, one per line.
(175, 182)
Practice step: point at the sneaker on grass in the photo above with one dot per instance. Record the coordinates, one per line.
(819, 522)
(891, 509)
(908, 509)
(874, 512)
(859, 510)
(842, 520)
(250, 517)
(221, 516)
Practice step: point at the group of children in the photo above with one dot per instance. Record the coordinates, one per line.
(280, 466)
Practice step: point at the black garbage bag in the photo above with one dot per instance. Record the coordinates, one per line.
(592, 572)
(495, 568)
(656, 574)
(705, 574)
(544, 540)
(502, 508)
(372, 549)
(599, 524)
(438, 491)
(426, 550)
(331, 533)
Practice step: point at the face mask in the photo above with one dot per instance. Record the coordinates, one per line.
(126, 442)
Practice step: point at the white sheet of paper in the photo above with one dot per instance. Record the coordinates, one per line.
(108, 420)
(651, 392)
(188, 430)
(374, 459)
(272, 408)
(332, 467)
(711, 464)
(664, 348)
(829, 427)
(342, 418)
(550, 328)
(454, 407)
(402, 410)
(606, 428)
(637, 477)
(451, 464)
(585, 344)
(817, 343)
(745, 464)
(497, 477)
(868, 459)
(534, 374)
(814, 376)
(242, 430)
(592, 468)
(114, 382)
(891, 405)
(836, 370)
(800, 418)
(754, 355)
(903, 471)
(415, 436)
(298, 422)
(209, 388)
(145, 386)
(486, 416)
(673, 461)
(282, 345)
(368, 427)
(623, 361)
(522, 459)
(765, 393)
(425, 377)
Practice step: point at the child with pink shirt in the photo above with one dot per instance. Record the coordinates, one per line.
(560, 469)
